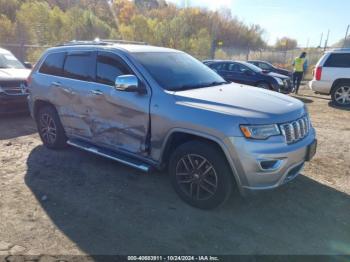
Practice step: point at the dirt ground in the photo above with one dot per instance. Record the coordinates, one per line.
(70, 202)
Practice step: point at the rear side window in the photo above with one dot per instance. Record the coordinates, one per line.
(53, 64)
(217, 66)
(264, 66)
(80, 66)
(109, 67)
(338, 60)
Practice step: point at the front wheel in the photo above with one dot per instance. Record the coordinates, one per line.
(201, 175)
(341, 95)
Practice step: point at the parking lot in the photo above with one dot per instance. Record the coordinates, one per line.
(70, 202)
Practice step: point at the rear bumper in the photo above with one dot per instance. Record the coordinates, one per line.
(13, 103)
(323, 87)
(250, 156)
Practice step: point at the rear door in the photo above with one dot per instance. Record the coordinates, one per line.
(78, 79)
(118, 119)
(238, 73)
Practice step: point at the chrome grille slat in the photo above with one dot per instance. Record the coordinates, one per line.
(296, 130)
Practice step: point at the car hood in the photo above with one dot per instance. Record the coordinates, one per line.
(13, 73)
(277, 75)
(256, 105)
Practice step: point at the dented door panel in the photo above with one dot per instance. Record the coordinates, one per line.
(118, 119)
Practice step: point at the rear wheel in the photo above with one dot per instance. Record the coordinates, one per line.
(200, 174)
(341, 94)
(50, 128)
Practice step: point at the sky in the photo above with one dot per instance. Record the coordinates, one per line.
(303, 20)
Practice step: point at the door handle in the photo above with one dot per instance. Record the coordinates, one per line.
(57, 84)
(96, 92)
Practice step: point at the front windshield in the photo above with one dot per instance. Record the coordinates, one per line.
(178, 71)
(8, 60)
(252, 67)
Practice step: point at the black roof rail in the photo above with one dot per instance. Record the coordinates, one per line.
(101, 42)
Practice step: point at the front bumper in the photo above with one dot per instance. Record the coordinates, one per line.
(267, 164)
(13, 103)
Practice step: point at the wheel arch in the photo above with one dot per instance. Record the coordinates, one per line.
(39, 103)
(178, 136)
(337, 82)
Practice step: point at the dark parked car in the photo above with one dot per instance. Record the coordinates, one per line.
(268, 67)
(248, 74)
(13, 91)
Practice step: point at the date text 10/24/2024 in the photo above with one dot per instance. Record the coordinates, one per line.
(173, 258)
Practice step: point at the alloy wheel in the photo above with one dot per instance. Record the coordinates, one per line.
(48, 128)
(196, 177)
(342, 95)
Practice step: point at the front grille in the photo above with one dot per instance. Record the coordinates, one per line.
(288, 83)
(13, 87)
(296, 130)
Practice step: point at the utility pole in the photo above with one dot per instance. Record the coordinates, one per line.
(326, 42)
(321, 41)
(346, 35)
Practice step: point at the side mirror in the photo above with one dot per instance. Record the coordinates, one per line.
(128, 83)
(28, 65)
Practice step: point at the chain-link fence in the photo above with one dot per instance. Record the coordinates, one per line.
(283, 59)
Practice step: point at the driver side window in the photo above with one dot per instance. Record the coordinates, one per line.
(109, 67)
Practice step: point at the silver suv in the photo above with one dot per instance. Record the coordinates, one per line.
(151, 107)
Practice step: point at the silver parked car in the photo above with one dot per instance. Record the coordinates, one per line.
(152, 107)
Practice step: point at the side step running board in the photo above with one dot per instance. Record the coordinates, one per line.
(109, 154)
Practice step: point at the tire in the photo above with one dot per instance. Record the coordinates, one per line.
(264, 85)
(195, 184)
(341, 94)
(50, 128)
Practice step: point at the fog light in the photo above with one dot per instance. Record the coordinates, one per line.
(270, 165)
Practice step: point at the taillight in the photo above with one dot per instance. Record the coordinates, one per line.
(318, 73)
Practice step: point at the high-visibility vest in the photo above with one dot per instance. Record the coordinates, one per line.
(299, 64)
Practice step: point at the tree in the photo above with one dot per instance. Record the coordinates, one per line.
(286, 43)
(7, 29)
(9, 8)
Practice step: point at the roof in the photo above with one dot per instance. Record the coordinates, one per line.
(339, 50)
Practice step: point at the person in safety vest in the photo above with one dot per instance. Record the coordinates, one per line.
(300, 67)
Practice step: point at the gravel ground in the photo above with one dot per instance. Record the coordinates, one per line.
(70, 202)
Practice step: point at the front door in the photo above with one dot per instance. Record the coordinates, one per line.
(118, 119)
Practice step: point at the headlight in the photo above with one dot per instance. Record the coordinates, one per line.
(260, 131)
(279, 81)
